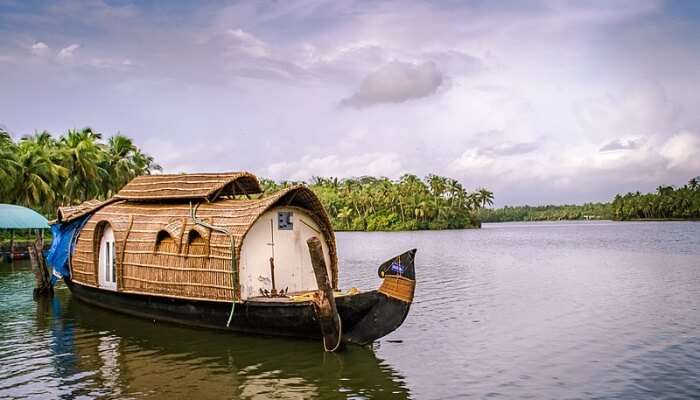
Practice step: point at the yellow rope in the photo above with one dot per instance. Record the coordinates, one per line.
(308, 296)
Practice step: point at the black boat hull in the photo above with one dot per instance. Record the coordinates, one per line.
(365, 316)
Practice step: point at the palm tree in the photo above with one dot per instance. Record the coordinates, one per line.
(664, 190)
(37, 177)
(694, 183)
(485, 197)
(473, 201)
(125, 161)
(82, 156)
(43, 139)
(8, 165)
(345, 214)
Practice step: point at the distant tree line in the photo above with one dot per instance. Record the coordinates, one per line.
(410, 203)
(547, 213)
(42, 172)
(667, 203)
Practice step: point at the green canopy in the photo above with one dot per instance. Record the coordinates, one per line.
(18, 217)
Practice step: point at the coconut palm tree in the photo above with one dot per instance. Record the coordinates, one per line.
(8, 165)
(345, 214)
(485, 197)
(82, 155)
(694, 183)
(125, 161)
(37, 176)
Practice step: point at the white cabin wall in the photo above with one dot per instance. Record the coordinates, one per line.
(292, 260)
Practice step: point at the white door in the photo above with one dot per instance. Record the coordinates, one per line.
(280, 233)
(106, 271)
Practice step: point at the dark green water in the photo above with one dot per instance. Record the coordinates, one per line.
(547, 310)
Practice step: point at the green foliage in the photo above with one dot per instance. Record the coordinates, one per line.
(42, 172)
(380, 204)
(547, 213)
(667, 203)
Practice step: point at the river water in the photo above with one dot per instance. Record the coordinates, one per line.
(600, 310)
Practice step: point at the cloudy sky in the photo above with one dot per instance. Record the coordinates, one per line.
(539, 101)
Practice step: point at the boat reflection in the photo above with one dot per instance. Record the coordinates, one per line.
(120, 356)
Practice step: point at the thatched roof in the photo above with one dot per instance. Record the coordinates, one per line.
(69, 213)
(202, 186)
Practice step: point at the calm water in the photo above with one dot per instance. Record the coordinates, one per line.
(546, 310)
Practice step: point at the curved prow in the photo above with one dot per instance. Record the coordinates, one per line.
(399, 275)
(403, 265)
(394, 299)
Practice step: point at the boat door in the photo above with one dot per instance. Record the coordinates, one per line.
(290, 228)
(280, 233)
(106, 262)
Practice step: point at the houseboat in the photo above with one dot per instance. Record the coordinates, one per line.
(210, 250)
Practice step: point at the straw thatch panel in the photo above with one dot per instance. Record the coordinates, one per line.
(189, 186)
(69, 213)
(161, 251)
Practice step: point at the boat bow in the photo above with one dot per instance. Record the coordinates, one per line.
(393, 301)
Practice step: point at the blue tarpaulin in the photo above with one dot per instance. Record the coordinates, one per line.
(64, 235)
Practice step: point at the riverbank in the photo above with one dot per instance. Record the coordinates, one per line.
(477, 226)
(661, 220)
(567, 212)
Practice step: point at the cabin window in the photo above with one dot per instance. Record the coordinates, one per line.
(107, 259)
(165, 243)
(284, 221)
(109, 262)
(196, 244)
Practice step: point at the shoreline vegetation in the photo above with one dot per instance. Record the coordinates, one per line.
(668, 203)
(41, 172)
(569, 212)
(409, 203)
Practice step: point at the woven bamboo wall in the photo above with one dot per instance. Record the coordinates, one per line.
(189, 261)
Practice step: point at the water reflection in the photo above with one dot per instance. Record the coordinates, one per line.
(80, 350)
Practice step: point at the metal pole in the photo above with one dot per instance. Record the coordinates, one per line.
(12, 244)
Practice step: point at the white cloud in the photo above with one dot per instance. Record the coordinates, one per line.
(248, 43)
(396, 82)
(375, 164)
(643, 108)
(621, 144)
(40, 48)
(682, 151)
(66, 53)
(471, 162)
(570, 169)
